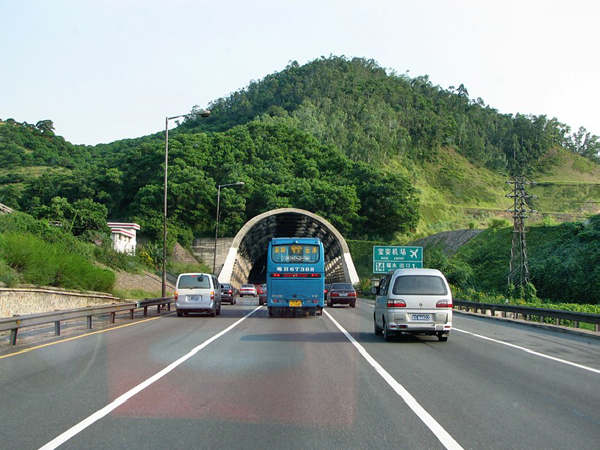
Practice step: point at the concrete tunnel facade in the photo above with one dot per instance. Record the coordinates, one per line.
(247, 257)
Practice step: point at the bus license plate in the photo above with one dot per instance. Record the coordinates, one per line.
(296, 303)
(421, 317)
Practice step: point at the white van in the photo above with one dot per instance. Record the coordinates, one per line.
(197, 292)
(415, 301)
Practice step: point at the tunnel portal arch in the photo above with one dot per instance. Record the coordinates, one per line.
(246, 259)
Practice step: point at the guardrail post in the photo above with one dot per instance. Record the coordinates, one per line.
(112, 317)
(575, 324)
(168, 306)
(158, 309)
(13, 336)
(145, 311)
(131, 311)
(542, 319)
(57, 328)
(89, 322)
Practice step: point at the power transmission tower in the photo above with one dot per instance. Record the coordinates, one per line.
(519, 265)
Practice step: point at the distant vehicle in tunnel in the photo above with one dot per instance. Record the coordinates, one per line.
(248, 289)
(341, 293)
(197, 292)
(295, 276)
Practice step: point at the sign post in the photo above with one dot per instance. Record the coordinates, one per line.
(386, 258)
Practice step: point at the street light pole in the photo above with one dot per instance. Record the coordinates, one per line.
(202, 113)
(239, 183)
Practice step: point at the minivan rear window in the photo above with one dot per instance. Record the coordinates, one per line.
(419, 285)
(194, 282)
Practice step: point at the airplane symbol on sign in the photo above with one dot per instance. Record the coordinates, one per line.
(413, 253)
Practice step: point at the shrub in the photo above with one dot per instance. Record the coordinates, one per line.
(498, 223)
(52, 264)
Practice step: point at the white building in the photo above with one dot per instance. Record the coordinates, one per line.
(123, 236)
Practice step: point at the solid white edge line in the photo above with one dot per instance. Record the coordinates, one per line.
(526, 350)
(442, 435)
(59, 440)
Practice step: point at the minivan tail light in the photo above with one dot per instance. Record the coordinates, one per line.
(212, 295)
(176, 295)
(396, 304)
(444, 304)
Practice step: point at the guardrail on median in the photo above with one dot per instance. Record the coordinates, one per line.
(14, 323)
(527, 312)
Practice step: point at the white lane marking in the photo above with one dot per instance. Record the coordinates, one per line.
(443, 436)
(59, 440)
(526, 350)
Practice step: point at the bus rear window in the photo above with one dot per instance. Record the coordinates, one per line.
(295, 253)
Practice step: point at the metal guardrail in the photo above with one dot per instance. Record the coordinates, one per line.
(526, 312)
(15, 323)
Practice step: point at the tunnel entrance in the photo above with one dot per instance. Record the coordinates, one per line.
(247, 258)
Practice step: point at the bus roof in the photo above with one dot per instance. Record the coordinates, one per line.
(295, 240)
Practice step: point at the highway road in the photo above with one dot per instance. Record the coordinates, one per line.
(245, 380)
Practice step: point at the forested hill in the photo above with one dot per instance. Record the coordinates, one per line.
(25, 145)
(371, 114)
(376, 153)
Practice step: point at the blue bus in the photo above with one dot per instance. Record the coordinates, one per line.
(295, 276)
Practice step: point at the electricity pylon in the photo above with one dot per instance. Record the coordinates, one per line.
(519, 265)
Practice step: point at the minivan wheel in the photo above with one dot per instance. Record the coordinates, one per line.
(387, 335)
(179, 313)
(376, 328)
(442, 337)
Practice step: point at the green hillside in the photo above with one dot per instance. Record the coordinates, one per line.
(564, 260)
(382, 156)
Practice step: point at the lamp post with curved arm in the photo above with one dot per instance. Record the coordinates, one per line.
(239, 183)
(201, 113)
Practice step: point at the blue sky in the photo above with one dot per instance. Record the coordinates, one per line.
(114, 69)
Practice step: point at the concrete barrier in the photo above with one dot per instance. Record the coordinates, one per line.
(34, 300)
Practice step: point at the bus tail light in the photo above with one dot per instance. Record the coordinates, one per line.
(396, 303)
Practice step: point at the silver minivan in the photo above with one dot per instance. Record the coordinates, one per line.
(197, 292)
(415, 301)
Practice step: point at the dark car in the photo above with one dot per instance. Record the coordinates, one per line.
(342, 293)
(262, 294)
(227, 293)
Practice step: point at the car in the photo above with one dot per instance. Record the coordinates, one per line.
(342, 293)
(413, 301)
(197, 292)
(228, 293)
(327, 287)
(262, 295)
(247, 289)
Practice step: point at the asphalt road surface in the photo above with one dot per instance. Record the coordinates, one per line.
(246, 380)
